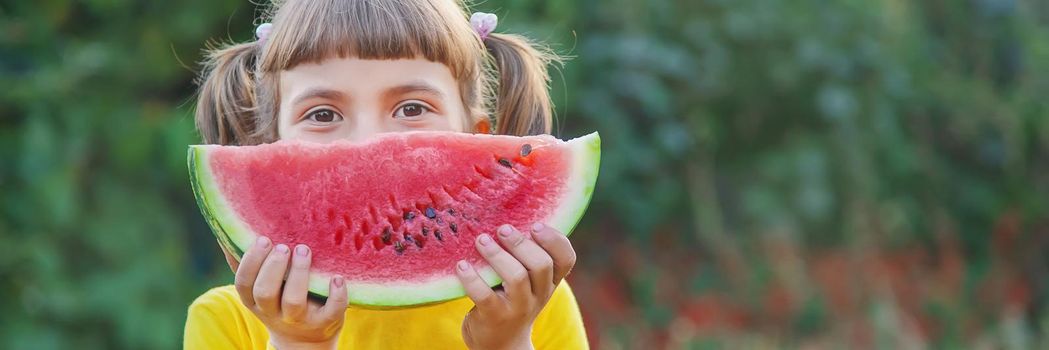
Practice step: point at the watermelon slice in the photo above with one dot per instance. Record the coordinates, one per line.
(393, 215)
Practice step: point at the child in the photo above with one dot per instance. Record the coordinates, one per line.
(349, 69)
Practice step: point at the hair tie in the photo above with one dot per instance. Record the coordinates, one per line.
(263, 31)
(483, 23)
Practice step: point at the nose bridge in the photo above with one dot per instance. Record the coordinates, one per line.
(367, 122)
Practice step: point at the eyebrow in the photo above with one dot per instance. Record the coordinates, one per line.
(417, 86)
(322, 93)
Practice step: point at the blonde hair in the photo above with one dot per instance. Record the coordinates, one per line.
(504, 75)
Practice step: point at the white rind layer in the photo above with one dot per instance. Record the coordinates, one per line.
(586, 154)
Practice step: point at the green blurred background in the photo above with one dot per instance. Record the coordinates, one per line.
(776, 173)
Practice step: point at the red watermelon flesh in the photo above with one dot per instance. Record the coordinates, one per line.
(394, 214)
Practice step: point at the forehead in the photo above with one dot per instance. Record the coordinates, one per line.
(365, 77)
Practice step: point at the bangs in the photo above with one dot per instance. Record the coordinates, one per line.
(309, 31)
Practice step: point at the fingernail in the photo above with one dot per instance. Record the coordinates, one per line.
(302, 250)
(536, 227)
(485, 239)
(338, 281)
(283, 249)
(463, 265)
(505, 231)
(262, 242)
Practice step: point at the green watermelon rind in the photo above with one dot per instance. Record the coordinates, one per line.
(232, 233)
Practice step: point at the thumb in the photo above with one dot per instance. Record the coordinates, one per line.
(230, 259)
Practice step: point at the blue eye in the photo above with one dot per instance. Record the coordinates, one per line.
(410, 110)
(324, 116)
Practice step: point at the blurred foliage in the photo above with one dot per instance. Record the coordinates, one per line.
(776, 173)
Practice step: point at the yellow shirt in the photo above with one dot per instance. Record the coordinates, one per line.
(217, 320)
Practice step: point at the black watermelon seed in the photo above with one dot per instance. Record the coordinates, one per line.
(430, 213)
(407, 237)
(505, 162)
(526, 150)
(409, 215)
(451, 211)
(437, 234)
(386, 235)
(399, 247)
(455, 229)
(426, 231)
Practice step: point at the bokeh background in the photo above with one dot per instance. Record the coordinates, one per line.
(776, 173)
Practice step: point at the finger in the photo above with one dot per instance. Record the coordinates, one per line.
(248, 270)
(515, 277)
(537, 261)
(293, 300)
(482, 295)
(334, 308)
(271, 277)
(230, 260)
(558, 246)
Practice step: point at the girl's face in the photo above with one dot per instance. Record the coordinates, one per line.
(354, 99)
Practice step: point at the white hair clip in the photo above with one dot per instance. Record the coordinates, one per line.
(484, 23)
(263, 31)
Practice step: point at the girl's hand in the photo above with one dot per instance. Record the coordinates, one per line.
(531, 268)
(293, 321)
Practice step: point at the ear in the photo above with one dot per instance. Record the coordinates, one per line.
(482, 126)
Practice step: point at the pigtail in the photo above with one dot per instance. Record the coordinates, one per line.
(226, 103)
(522, 104)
